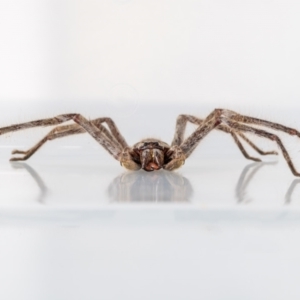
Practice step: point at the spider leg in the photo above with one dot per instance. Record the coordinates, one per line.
(181, 123)
(261, 152)
(177, 154)
(181, 127)
(244, 152)
(113, 129)
(99, 133)
(233, 120)
(57, 132)
(241, 127)
(228, 118)
(66, 130)
(249, 120)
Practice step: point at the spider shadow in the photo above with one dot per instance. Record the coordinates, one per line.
(37, 178)
(246, 177)
(141, 186)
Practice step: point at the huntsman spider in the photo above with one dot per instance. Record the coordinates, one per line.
(153, 154)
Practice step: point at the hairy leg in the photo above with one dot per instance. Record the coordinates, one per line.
(244, 152)
(113, 129)
(273, 137)
(60, 131)
(181, 127)
(249, 120)
(99, 132)
(233, 116)
(178, 154)
(235, 121)
(227, 118)
(261, 152)
(66, 130)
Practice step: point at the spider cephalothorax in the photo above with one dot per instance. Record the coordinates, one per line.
(153, 154)
(150, 154)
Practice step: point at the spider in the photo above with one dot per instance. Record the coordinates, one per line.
(153, 154)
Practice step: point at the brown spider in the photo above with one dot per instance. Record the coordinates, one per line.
(153, 154)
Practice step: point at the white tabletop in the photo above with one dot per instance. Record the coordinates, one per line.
(75, 225)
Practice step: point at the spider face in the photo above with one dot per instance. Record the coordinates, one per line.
(151, 159)
(150, 154)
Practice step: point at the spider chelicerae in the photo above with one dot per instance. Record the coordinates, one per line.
(153, 154)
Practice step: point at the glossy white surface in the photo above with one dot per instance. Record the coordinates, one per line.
(75, 225)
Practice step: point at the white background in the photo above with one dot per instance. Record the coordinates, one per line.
(74, 224)
(221, 52)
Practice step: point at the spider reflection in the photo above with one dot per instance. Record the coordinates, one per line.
(37, 178)
(288, 195)
(160, 186)
(246, 177)
(151, 187)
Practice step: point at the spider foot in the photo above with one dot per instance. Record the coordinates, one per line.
(18, 158)
(270, 153)
(254, 159)
(26, 155)
(18, 152)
